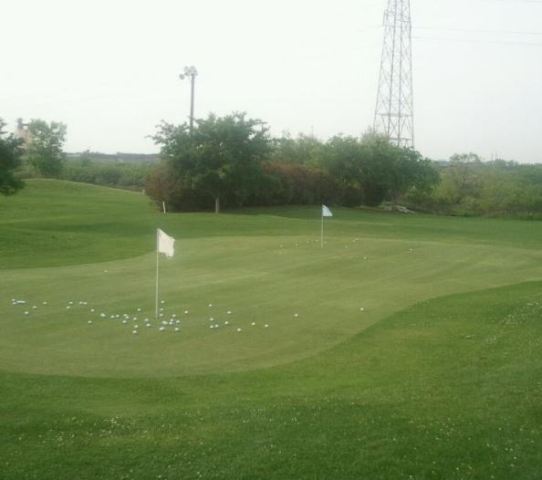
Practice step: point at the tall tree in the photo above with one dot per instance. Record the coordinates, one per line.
(44, 149)
(219, 160)
(10, 159)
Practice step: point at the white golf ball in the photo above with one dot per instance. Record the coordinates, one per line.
(253, 324)
(134, 332)
(90, 322)
(266, 326)
(239, 329)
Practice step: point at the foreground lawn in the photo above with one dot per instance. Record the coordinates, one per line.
(409, 347)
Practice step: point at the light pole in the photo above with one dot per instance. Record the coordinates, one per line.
(192, 73)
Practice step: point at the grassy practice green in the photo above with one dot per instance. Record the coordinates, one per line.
(409, 347)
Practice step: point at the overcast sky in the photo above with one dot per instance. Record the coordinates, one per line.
(109, 69)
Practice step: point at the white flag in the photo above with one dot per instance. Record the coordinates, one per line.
(166, 244)
(326, 212)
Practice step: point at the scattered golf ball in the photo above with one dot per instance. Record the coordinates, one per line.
(124, 322)
(186, 312)
(27, 313)
(162, 329)
(134, 332)
(296, 315)
(177, 329)
(44, 303)
(162, 302)
(253, 324)
(226, 323)
(34, 307)
(90, 322)
(68, 307)
(266, 326)
(92, 310)
(362, 309)
(139, 309)
(210, 304)
(239, 329)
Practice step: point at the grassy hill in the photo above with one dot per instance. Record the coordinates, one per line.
(409, 347)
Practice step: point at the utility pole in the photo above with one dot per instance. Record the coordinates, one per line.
(192, 73)
(394, 113)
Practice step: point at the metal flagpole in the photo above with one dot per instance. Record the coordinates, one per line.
(157, 261)
(322, 232)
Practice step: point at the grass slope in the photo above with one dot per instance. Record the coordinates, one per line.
(408, 388)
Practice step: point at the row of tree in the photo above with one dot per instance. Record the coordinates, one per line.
(469, 186)
(234, 161)
(37, 150)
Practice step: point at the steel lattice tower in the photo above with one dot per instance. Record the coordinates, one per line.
(394, 114)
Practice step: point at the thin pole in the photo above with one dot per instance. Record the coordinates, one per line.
(157, 263)
(322, 232)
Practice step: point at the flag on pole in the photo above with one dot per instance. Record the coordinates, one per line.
(166, 244)
(326, 212)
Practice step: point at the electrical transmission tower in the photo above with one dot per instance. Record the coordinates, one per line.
(394, 114)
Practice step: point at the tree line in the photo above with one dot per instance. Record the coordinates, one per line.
(233, 161)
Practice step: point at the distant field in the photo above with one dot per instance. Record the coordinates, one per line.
(409, 347)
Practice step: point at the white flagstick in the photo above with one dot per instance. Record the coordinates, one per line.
(157, 271)
(322, 230)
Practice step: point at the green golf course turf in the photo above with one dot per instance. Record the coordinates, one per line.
(408, 347)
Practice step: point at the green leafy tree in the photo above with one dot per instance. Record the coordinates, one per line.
(220, 160)
(44, 150)
(371, 170)
(10, 160)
